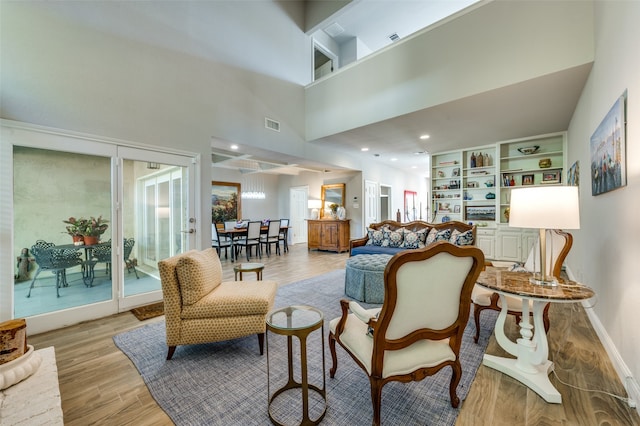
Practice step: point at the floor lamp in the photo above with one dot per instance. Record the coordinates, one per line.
(545, 207)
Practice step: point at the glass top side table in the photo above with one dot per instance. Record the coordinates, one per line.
(298, 321)
(248, 267)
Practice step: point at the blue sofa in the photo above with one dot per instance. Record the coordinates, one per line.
(391, 237)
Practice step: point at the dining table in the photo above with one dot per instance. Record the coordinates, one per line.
(236, 233)
(89, 262)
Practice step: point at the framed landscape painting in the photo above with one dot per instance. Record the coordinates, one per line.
(225, 201)
(608, 160)
(480, 213)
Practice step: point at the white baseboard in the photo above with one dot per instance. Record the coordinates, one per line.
(624, 373)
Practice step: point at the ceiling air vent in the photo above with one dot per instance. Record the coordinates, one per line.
(394, 37)
(272, 124)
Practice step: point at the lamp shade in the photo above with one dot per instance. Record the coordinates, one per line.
(314, 204)
(545, 207)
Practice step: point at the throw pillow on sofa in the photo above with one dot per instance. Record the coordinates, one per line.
(435, 235)
(392, 238)
(461, 238)
(375, 237)
(414, 239)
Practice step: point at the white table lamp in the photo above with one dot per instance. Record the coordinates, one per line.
(550, 207)
(314, 205)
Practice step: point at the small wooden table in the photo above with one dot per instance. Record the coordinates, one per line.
(248, 267)
(532, 366)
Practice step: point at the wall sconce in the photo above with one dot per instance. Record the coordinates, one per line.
(153, 166)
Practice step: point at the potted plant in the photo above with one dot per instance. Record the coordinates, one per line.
(74, 228)
(92, 229)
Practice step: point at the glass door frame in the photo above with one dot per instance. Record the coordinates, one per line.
(25, 135)
(137, 154)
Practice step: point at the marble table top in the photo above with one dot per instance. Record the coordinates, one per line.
(517, 283)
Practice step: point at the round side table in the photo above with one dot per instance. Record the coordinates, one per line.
(248, 267)
(297, 321)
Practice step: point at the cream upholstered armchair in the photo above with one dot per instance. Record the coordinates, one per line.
(200, 308)
(419, 328)
(558, 245)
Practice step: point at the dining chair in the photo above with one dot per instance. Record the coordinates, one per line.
(284, 234)
(251, 239)
(48, 258)
(558, 245)
(418, 330)
(271, 237)
(219, 242)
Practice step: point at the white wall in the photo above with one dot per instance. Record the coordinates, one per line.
(58, 73)
(606, 249)
(500, 43)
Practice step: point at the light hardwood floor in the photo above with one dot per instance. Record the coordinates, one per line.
(99, 385)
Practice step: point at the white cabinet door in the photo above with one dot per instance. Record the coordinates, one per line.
(510, 244)
(486, 241)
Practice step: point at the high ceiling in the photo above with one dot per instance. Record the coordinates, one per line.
(538, 106)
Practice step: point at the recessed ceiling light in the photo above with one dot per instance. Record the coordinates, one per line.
(423, 137)
(364, 149)
(234, 147)
(414, 167)
(394, 159)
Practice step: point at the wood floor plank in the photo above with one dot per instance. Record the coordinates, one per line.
(99, 384)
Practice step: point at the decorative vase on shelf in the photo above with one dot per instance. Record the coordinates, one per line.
(342, 213)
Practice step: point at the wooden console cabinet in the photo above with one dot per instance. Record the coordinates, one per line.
(328, 234)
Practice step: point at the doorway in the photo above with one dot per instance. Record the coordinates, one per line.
(385, 203)
(324, 62)
(298, 197)
(58, 178)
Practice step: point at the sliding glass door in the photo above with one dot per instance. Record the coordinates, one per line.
(157, 201)
(59, 189)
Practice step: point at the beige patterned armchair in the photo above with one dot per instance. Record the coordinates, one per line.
(200, 308)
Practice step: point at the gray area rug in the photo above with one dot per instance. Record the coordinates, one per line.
(225, 383)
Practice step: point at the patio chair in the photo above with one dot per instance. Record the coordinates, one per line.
(55, 260)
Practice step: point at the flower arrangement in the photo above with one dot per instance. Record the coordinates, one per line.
(334, 208)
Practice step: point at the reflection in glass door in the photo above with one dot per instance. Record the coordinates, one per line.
(156, 213)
